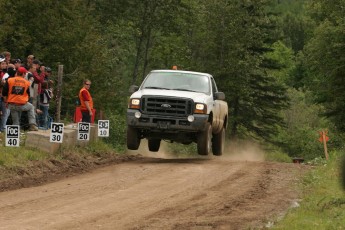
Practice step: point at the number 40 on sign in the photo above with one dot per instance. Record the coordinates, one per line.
(12, 135)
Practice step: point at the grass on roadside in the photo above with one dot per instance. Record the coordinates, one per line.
(323, 199)
(21, 156)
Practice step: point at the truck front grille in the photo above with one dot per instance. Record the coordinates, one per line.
(167, 106)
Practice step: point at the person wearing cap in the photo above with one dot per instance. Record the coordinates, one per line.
(7, 56)
(16, 93)
(29, 61)
(17, 62)
(3, 66)
(86, 102)
(3, 69)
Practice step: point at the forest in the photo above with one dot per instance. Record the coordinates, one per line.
(280, 63)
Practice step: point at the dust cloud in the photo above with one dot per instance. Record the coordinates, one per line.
(243, 151)
(233, 151)
(145, 152)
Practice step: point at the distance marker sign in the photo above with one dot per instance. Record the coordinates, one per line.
(12, 135)
(83, 131)
(103, 128)
(56, 132)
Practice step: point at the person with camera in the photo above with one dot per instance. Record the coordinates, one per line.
(16, 93)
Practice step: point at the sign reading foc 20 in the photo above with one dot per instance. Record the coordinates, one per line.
(12, 135)
(83, 131)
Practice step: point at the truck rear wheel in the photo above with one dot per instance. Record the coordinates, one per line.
(133, 138)
(154, 144)
(204, 140)
(218, 142)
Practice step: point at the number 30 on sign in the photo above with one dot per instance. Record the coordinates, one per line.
(56, 133)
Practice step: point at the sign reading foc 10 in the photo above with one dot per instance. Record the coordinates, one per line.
(103, 128)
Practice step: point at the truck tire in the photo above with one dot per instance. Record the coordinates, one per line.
(204, 140)
(154, 144)
(218, 141)
(133, 138)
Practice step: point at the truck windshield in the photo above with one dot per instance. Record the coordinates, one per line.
(177, 81)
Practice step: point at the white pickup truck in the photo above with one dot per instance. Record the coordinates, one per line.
(177, 106)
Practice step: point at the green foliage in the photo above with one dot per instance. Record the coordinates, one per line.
(253, 48)
(18, 156)
(118, 131)
(300, 137)
(277, 156)
(182, 150)
(322, 205)
(325, 58)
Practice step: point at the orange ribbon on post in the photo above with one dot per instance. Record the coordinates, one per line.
(323, 139)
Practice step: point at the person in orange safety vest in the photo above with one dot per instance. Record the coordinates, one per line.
(16, 94)
(86, 102)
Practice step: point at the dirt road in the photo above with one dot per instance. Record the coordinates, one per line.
(156, 193)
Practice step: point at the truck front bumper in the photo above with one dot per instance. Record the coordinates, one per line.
(166, 123)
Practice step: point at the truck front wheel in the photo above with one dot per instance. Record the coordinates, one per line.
(133, 138)
(218, 142)
(204, 140)
(154, 144)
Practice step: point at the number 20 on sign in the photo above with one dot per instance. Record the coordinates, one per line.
(12, 135)
(83, 131)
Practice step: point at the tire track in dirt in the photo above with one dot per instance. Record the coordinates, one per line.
(158, 193)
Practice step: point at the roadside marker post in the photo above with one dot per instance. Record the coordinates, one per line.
(323, 139)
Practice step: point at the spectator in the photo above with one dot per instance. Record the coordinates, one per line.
(29, 61)
(3, 66)
(11, 72)
(38, 72)
(7, 57)
(30, 77)
(45, 97)
(5, 112)
(48, 73)
(16, 91)
(17, 63)
(86, 103)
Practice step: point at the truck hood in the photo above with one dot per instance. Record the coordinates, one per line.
(195, 96)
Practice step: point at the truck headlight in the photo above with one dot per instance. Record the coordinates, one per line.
(134, 103)
(200, 108)
(190, 118)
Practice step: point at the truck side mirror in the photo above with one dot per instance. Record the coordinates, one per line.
(133, 88)
(220, 96)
